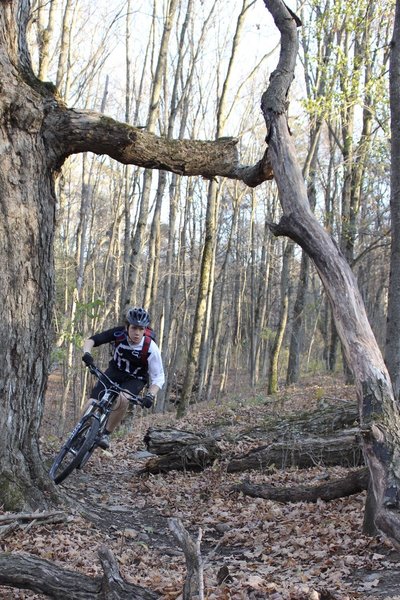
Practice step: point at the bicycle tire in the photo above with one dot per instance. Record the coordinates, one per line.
(75, 449)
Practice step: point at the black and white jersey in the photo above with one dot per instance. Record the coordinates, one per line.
(128, 357)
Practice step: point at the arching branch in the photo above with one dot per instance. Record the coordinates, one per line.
(69, 131)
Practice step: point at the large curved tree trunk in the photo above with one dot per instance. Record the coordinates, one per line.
(37, 133)
(26, 276)
(379, 414)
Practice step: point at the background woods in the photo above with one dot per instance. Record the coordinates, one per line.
(227, 297)
(101, 153)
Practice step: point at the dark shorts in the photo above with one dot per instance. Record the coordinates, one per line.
(123, 379)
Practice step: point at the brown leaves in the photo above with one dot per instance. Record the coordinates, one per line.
(251, 548)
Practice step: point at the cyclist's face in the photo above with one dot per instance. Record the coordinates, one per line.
(135, 333)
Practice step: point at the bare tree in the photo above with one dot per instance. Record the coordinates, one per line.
(392, 350)
(379, 415)
(199, 335)
(283, 316)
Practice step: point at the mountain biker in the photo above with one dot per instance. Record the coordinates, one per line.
(127, 367)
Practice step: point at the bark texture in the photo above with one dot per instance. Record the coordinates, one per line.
(354, 483)
(69, 131)
(392, 349)
(27, 205)
(340, 449)
(179, 450)
(42, 576)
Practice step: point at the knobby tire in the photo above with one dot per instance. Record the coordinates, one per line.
(76, 448)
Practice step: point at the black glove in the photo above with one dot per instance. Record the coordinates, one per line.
(88, 359)
(148, 400)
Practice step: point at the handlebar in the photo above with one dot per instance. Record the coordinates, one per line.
(110, 384)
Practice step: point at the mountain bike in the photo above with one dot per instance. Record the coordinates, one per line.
(82, 442)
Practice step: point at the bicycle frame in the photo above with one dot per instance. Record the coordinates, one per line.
(81, 443)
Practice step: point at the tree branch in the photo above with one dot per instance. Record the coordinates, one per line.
(42, 576)
(69, 131)
(194, 563)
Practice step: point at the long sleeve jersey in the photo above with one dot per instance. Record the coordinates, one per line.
(127, 357)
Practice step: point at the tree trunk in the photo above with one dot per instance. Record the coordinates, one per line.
(297, 333)
(343, 449)
(392, 349)
(179, 450)
(133, 296)
(26, 279)
(379, 415)
(201, 305)
(284, 309)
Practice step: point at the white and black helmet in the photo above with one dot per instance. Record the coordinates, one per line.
(138, 316)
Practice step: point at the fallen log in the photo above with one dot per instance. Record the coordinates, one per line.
(343, 448)
(327, 419)
(25, 571)
(43, 517)
(179, 450)
(14, 521)
(354, 483)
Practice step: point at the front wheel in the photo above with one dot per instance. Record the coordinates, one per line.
(76, 448)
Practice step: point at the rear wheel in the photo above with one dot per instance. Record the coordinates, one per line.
(77, 448)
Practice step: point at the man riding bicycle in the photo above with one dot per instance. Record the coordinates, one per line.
(136, 360)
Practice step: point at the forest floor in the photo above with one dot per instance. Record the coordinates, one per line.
(252, 548)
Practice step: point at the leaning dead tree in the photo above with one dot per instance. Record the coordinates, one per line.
(378, 411)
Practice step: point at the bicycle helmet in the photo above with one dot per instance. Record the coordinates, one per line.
(138, 316)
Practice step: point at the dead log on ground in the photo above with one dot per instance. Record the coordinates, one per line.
(343, 448)
(43, 517)
(327, 419)
(179, 450)
(14, 521)
(354, 483)
(25, 571)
